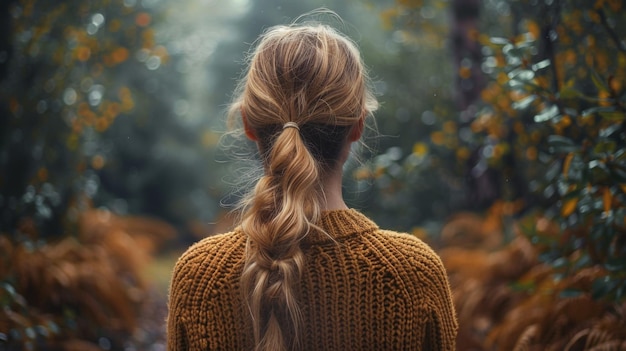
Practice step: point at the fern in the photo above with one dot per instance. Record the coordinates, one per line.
(507, 299)
(69, 294)
(527, 338)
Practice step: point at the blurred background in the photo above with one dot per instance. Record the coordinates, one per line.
(500, 141)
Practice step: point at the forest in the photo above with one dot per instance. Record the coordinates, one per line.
(500, 141)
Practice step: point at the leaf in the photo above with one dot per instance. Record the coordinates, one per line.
(541, 65)
(527, 338)
(583, 261)
(563, 187)
(615, 265)
(607, 132)
(598, 81)
(593, 164)
(560, 262)
(561, 144)
(521, 74)
(512, 52)
(515, 83)
(569, 206)
(569, 93)
(547, 114)
(599, 110)
(576, 169)
(566, 163)
(553, 171)
(613, 116)
(499, 40)
(524, 103)
(605, 147)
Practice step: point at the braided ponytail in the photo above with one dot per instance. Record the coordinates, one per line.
(309, 79)
(275, 224)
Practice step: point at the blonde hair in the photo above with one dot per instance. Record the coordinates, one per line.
(312, 76)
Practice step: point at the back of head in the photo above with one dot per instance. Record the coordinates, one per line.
(305, 74)
(305, 89)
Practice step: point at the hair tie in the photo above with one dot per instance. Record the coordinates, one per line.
(291, 125)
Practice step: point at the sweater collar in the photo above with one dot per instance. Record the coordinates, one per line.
(339, 224)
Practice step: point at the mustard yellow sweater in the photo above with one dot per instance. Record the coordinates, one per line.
(370, 290)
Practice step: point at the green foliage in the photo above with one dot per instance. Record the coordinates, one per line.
(571, 109)
(547, 133)
(95, 113)
(59, 96)
(506, 298)
(58, 99)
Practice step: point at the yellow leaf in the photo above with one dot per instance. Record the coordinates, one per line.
(533, 29)
(143, 19)
(606, 199)
(462, 153)
(449, 127)
(420, 149)
(465, 72)
(437, 137)
(567, 163)
(531, 153)
(568, 207)
(83, 53)
(119, 55)
(97, 162)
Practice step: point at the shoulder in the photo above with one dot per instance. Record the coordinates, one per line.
(223, 244)
(414, 255)
(427, 275)
(214, 258)
(203, 282)
(420, 262)
(406, 245)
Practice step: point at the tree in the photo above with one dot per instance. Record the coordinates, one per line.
(553, 115)
(568, 113)
(58, 99)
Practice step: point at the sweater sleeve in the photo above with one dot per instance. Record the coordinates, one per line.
(441, 330)
(176, 331)
(441, 326)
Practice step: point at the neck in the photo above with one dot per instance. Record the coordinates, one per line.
(333, 191)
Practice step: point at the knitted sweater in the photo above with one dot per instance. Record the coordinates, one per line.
(370, 289)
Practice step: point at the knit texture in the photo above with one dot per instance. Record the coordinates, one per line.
(368, 289)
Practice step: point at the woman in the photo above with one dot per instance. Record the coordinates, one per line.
(302, 271)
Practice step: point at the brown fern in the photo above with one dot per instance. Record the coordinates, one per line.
(611, 345)
(94, 279)
(527, 338)
(507, 300)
